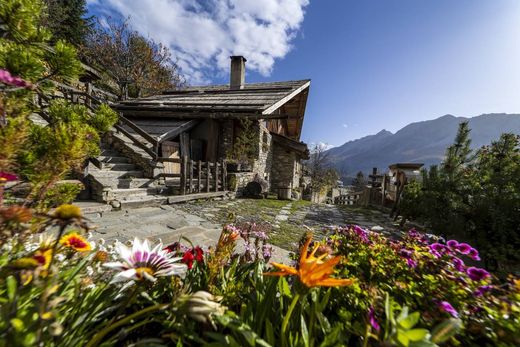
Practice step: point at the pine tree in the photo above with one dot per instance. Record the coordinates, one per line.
(67, 20)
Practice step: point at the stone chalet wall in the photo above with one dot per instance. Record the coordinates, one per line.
(264, 150)
(237, 181)
(283, 169)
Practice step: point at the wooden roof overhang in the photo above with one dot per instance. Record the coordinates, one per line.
(299, 147)
(165, 129)
(275, 100)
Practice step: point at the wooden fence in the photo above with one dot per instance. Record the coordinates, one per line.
(198, 176)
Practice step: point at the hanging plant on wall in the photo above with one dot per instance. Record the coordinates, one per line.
(245, 147)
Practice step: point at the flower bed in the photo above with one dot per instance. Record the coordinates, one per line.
(354, 287)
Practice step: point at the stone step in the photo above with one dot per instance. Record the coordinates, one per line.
(119, 166)
(144, 201)
(127, 183)
(113, 174)
(129, 194)
(114, 159)
(109, 153)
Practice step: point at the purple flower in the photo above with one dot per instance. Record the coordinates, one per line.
(463, 248)
(482, 290)
(473, 253)
(452, 244)
(446, 307)
(477, 274)
(458, 264)
(405, 253)
(372, 319)
(362, 233)
(267, 251)
(411, 263)
(437, 249)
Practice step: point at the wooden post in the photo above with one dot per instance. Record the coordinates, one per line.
(184, 165)
(199, 167)
(208, 173)
(190, 187)
(88, 87)
(224, 175)
(216, 175)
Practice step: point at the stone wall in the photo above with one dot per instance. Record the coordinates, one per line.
(237, 181)
(122, 144)
(263, 162)
(283, 173)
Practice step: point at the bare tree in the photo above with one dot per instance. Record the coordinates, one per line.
(138, 66)
(322, 175)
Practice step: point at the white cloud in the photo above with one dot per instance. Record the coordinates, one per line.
(203, 34)
(344, 125)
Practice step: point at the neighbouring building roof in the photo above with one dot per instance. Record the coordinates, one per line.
(298, 147)
(406, 166)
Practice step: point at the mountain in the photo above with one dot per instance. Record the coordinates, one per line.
(420, 142)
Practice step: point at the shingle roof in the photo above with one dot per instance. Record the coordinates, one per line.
(254, 98)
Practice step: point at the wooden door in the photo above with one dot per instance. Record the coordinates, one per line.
(171, 150)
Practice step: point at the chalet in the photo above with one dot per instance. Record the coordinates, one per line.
(183, 142)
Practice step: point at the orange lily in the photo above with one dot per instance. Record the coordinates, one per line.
(312, 271)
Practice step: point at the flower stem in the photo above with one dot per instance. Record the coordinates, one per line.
(99, 336)
(289, 312)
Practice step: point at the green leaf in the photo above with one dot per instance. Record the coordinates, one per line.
(305, 332)
(410, 321)
(416, 334)
(402, 339)
(269, 332)
(17, 324)
(11, 287)
(284, 287)
(445, 330)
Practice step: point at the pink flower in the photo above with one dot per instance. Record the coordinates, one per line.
(477, 274)
(7, 78)
(452, 244)
(458, 264)
(7, 177)
(473, 253)
(482, 290)
(463, 248)
(446, 307)
(372, 319)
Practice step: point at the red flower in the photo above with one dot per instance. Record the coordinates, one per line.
(199, 254)
(194, 254)
(188, 259)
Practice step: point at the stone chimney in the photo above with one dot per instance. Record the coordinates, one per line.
(238, 72)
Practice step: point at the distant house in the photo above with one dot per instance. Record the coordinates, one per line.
(399, 174)
(185, 137)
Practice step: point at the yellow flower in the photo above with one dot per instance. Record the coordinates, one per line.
(43, 257)
(76, 242)
(67, 211)
(313, 271)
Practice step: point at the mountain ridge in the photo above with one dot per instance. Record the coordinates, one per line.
(423, 141)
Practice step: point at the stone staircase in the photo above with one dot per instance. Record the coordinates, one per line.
(115, 180)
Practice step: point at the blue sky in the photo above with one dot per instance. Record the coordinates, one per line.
(374, 64)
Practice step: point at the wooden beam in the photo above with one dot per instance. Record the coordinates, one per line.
(177, 131)
(291, 95)
(199, 168)
(202, 115)
(216, 176)
(208, 174)
(135, 141)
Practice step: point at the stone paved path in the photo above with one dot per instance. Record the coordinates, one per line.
(166, 223)
(289, 219)
(202, 221)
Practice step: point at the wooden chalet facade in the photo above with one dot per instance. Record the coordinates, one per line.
(189, 131)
